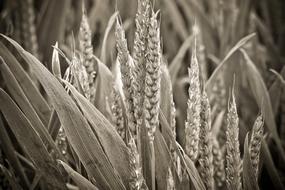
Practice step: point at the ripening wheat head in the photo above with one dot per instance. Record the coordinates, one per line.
(255, 143)
(205, 151)
(140, 45)
(126, 65)
(152, 78)
(192, 124)
(86, 49)
(233, 159)
(28, 27)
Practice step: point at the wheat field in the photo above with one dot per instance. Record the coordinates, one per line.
(142, 94)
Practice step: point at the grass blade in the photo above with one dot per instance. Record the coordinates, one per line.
(31, 91)
(81, 181)
(84, 143)
(111, 22)
(30, 141)
(262, 98)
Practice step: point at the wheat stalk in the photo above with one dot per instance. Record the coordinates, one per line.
(192, 124)
(233, 160)
(255, 143)
(205, 150)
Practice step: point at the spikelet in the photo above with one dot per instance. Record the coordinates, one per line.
(255, 143)
(205, 150)
(140, 45)
(152, 78)
(192, 124)
(137, 181)
(233, 160)
(80, 76)
(170, 181)
(85, 46)
(218, 162)
(126, 65)
(29, 34)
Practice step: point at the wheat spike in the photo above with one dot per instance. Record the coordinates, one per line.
(218, 162)
(126, 65)
(233, 159)
(205, 150)
(255, 143)
(140, 46)
(137, 181)
(86, 48)
(192, 124)
(152, 78)
(29, 34)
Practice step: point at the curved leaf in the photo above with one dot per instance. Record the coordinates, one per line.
(112, 143)
(31, 91)
(211, 81)
(177, 60)
(30, 141)
(111, 21)
(76, 127)
(81, 181)
(260, 93)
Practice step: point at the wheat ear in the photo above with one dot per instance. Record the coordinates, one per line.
(233, 159)
(192, 124)
(205, 150)
(255, 143)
